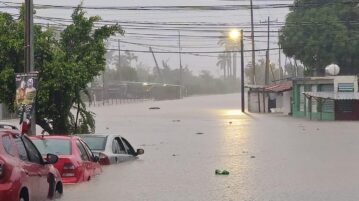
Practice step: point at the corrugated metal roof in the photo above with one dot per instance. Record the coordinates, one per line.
(334, 95)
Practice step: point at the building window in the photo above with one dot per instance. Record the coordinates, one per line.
(346, 87)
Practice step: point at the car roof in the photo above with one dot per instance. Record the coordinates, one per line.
(5, 124)
(9, 131)
(98, 135)
(60, 137)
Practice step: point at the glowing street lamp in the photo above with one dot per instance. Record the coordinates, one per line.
(234, 34)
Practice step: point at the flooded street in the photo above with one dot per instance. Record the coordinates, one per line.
(269, 157)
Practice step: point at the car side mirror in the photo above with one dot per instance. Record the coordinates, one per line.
(140, 152)
(96, 159)
(51, 159)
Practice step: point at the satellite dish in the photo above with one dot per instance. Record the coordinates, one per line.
(332, 69)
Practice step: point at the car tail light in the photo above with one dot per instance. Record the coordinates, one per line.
(69, 166)
(68, 170)
(104, 160)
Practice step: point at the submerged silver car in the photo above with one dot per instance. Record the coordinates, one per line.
(111, 149)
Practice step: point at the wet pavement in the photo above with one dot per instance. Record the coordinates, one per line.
(269, 157)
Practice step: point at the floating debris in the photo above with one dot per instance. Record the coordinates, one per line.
(253, 157)
(154, 108)
(176, 120)
(220, 172)
(199, 133)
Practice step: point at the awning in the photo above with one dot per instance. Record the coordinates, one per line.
(333, 95)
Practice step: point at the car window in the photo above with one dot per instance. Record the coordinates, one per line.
(82, 150)
(33, 154)
(21, 148)
(95, 143)
(122, 147)
(87, 149)
(6, 142)
(53, 146)
(128, 147)
(115, 147)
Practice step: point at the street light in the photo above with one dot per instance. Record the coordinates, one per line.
(234, 35)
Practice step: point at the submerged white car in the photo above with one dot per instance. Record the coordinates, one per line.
(111, 149)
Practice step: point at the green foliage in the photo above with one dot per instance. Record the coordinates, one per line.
(79, 57)
(321, 32)
(7, 87)
(12, 53)
(66, 67)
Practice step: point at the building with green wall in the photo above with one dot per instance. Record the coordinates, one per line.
(325, 98)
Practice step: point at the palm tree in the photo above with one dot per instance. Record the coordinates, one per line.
(229, 45)
(222, 63)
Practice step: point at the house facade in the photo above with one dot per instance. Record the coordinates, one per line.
(326, 98)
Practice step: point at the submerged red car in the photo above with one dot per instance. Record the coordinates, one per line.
(76, 161)
(24, 174)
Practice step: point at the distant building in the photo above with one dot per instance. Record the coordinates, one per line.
(270, 98)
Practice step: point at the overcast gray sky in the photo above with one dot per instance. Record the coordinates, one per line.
(145, 27)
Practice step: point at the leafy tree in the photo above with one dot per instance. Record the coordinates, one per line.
(78, 58)
(320, 32)
(12, 53)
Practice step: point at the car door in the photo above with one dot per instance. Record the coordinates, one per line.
(85, 161)
(129, 149)
(33, 169)
(95, 167)
(120, 149)
(42, 170)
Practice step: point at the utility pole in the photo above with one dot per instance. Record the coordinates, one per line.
(180, 63)
(266, 74)
(29, 53)
(234, 67)
(119, 53)
(242, 73)
(253, 47)
(281, 71)
(267, 55)
(157, 67)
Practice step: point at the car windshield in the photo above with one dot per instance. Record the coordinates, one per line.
(53, 146)
(95, 143)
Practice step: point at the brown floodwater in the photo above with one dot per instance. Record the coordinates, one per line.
(269, 157)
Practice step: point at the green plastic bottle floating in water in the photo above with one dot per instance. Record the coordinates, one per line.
(219, 172)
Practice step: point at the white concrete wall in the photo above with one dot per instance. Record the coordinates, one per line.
(253, 102)
(345, 79)
(286, 102)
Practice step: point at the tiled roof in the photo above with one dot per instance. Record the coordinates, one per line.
(280, 87)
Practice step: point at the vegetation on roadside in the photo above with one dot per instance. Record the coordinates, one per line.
(65, 64)
(319, 33)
